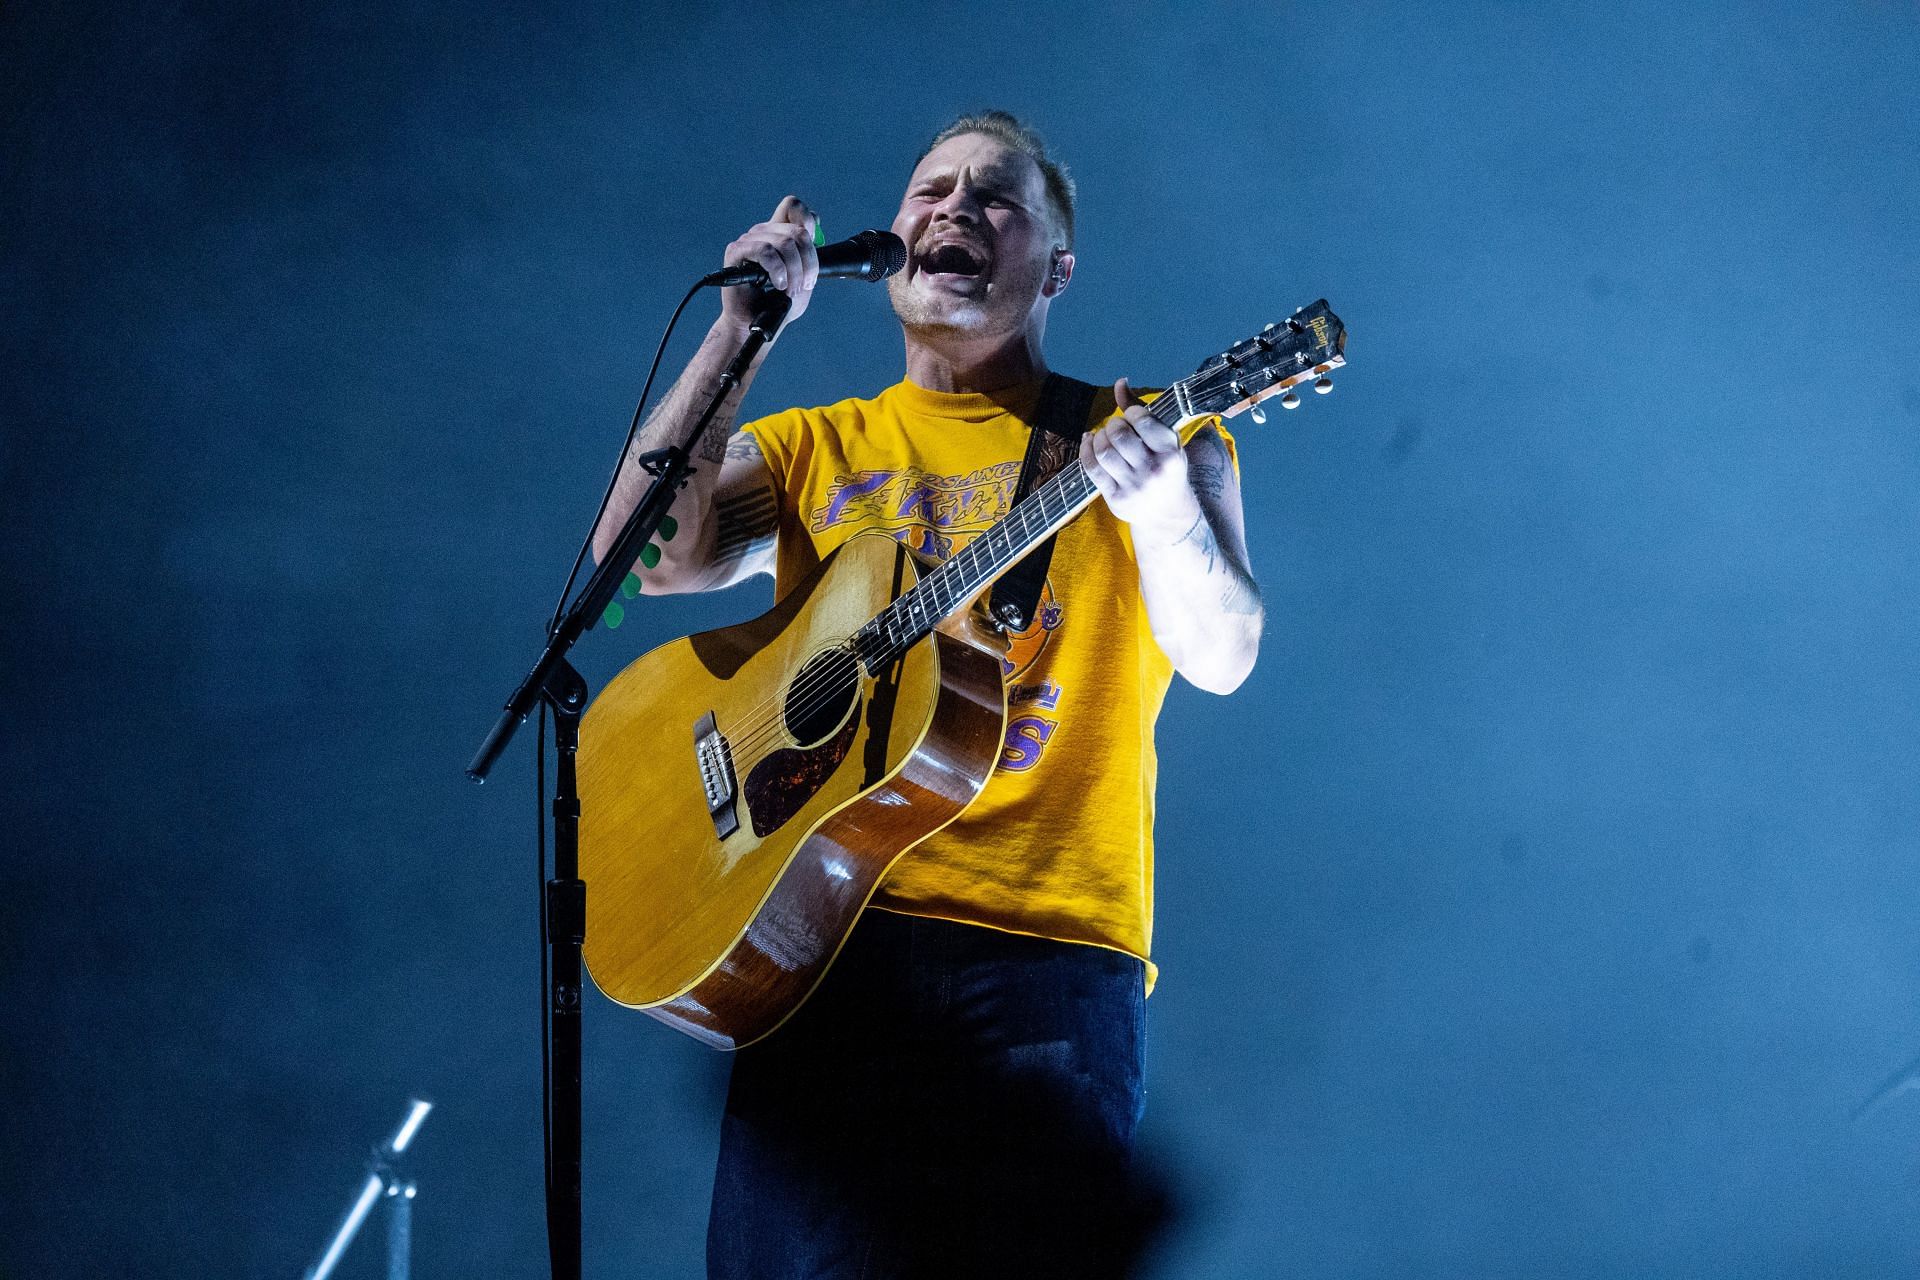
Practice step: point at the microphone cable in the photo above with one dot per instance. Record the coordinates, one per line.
(540, 756)
(633, 430)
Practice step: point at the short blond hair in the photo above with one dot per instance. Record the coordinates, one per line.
(1005, 127)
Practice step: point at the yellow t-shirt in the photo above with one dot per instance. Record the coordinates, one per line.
(1060, 842)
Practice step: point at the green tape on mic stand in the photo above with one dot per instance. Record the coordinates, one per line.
(615, 612)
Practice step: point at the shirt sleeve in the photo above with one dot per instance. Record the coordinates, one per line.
(777, 436)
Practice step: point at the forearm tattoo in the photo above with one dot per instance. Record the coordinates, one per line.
(717, 440)
(1209, 473)
(1200, 533)
(1239, 596)
(1208, 480)
(1208, 467)
(740, 523)
(713, 445)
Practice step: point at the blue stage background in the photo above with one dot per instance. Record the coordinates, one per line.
(1544, 904)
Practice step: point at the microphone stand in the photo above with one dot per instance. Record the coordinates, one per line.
(554, 681)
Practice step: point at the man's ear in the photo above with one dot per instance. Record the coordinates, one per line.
(1059, 273)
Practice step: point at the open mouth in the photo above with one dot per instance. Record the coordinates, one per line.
(953, 260)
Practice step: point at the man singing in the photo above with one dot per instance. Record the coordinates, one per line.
(959, 1096)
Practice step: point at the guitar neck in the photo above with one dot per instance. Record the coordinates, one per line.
(969, 571)
(1280, 357)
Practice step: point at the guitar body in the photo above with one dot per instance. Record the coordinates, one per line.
(744, 791)
(719, 917)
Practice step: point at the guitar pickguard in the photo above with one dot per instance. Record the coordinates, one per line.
(782, 783)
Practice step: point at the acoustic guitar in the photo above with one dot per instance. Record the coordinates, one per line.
(745, 790)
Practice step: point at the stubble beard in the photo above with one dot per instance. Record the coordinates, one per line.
(921, 315)
(974, 318)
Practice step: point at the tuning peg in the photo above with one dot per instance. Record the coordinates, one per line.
(1258, 414)
(1324, 385)
(1290, 401)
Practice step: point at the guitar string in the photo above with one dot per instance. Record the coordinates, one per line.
(982, 560)
(766, 721)
(800, 700)
(812, 692)
(808, 695)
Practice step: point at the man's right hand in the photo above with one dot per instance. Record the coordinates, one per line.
(783, 248)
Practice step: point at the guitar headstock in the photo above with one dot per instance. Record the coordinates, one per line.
(1308, 345)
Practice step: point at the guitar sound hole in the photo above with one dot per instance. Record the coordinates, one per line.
(819, 697)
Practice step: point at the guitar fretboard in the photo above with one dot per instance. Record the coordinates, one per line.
(969, 571)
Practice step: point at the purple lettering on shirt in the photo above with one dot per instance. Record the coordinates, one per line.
(856, 487)
(1026, 739)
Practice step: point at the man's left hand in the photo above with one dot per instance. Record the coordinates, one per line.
(1139, 467)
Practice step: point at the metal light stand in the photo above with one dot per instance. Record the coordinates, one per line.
(382, 1180)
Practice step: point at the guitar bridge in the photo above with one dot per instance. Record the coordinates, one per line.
(715, 757)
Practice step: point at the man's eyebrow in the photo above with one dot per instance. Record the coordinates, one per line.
(1006, 175)
(1008, 179)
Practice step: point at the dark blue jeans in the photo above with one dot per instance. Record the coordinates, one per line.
(952, 1101)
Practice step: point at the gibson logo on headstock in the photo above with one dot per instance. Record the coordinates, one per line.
(1319, 326)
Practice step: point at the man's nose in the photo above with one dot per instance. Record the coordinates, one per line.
(959, 205)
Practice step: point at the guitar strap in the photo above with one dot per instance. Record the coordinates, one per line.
(1059, 420)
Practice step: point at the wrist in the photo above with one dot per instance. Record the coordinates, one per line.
(1172, 526)
(728, 335)
(729, 330)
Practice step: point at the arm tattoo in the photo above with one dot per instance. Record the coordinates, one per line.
(742, 447)
(1201, 533)
(740, 523)
(716, 444)
(713, 445)
(1240, 597)
(1208, 472)
(1208, 480)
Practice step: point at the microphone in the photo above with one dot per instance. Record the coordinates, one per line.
(871, 255)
